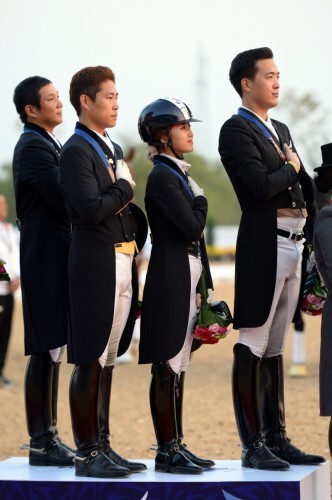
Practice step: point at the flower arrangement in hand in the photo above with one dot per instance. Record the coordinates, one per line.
(3, 273)
(212, 318)
(314, 294)
(315, 291)
(139, 309)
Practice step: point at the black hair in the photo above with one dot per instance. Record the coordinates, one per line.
(88, 81)
(27, 92)
(244, 66)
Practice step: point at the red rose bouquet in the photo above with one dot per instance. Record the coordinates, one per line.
(139, 309)
(3, 273)
(212, 319)
(315, 291)
(314, 294)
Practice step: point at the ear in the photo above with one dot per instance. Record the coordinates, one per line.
(30, 111)
(246, 85)
(164, 139)
(84, 101)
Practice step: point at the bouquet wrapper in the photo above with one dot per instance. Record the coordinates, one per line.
(315, 291)
(211, 320)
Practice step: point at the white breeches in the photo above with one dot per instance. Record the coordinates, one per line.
(57, 354)
(122, 305)
(269, 339)
(180, 362)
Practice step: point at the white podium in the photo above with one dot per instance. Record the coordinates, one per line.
(227, 480)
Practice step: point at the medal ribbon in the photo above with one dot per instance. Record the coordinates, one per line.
(96, 146)
(31, 131)
(265, 131)
(186, 185)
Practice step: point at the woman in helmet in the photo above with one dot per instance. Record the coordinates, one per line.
(176, 208)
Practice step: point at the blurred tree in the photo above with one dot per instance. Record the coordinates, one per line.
(223, 205)
(306, 118)
(7, 189)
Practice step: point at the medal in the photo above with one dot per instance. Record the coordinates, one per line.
(110, 169)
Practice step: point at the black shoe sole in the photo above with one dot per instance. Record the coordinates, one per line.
(176, 471)
(251, 466)
(45, 463)
(113, 475)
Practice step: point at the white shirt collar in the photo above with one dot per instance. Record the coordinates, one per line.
(54, 138)
(106, 139)
(183, 165)
(268, 123)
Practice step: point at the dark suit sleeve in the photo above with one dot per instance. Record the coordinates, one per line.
(240, 152)
(39, 168)
(165, 191)
(81, 190)
(309, 194)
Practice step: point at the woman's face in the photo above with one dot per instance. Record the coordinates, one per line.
(181, 136)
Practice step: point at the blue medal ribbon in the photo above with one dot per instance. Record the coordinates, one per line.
(186, 185)
(49, 142)
(263, 129)
(96, 146)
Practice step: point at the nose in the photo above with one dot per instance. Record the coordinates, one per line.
(59, 105)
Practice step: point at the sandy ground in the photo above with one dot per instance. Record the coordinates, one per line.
(210, 428)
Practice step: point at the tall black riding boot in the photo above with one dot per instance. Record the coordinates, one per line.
(179, 389)
(54, 403)
(90, 460)
(330, 436)
(245, 385)
(45, 446)
(273, 412)
(169, 458)
(104, 428)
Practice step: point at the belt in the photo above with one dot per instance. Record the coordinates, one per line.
(128, 247)
(291, 235)
(194, 248)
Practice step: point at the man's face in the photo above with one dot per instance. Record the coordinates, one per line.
(49, 115)
(264, 89)
(103, 111)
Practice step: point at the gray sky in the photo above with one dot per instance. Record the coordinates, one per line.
(154, 48)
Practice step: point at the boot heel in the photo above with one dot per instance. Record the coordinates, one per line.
(38, 460)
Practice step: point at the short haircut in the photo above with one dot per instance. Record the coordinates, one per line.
(244, 66)
(87, 81)
(27, 92)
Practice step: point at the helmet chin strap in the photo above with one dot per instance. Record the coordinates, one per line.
(169, 144)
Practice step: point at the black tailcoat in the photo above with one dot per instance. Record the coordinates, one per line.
(175, 219)
(263, 183)
(44, 241)
(96, 209)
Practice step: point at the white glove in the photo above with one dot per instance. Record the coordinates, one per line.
(195, 187)
(122, 172)
(210, 295)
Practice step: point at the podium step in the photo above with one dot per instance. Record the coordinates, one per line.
(227, 480)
